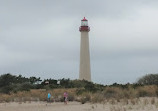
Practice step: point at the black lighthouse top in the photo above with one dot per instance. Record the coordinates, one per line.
(84, 25)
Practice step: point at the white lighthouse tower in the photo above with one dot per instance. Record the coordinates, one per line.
(85, 70)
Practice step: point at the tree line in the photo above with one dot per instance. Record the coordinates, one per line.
(12, 83)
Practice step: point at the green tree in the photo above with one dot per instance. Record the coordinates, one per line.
(7, 79)
(149, 79)
(34, 80)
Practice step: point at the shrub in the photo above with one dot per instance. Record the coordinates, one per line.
(146, 91)
(98, 98)
(80, 91)
(112, 92)
(26, 87)
(86, 97)
(149, 79)
(6, 89)
(71, 97)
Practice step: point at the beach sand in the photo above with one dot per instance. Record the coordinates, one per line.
(75, 106)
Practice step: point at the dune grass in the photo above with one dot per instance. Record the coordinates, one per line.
(111, 94)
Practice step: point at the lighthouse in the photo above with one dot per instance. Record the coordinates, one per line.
(85, 70)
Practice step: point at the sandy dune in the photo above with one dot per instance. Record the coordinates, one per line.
(73, 106)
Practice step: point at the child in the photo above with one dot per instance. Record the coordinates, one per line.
(65, 97)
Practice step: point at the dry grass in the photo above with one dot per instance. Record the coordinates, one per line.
(145, 103)
(113, 95)
(36, 95)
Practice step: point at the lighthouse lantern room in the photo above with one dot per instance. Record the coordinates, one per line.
(84, 25)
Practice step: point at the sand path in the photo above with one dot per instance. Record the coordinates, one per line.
(71, 106)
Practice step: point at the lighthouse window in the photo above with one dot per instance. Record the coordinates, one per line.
(84, 23)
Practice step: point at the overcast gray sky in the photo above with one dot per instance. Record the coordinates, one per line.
(41, 38)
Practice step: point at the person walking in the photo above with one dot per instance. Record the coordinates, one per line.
(65, 97)
(48, 98)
